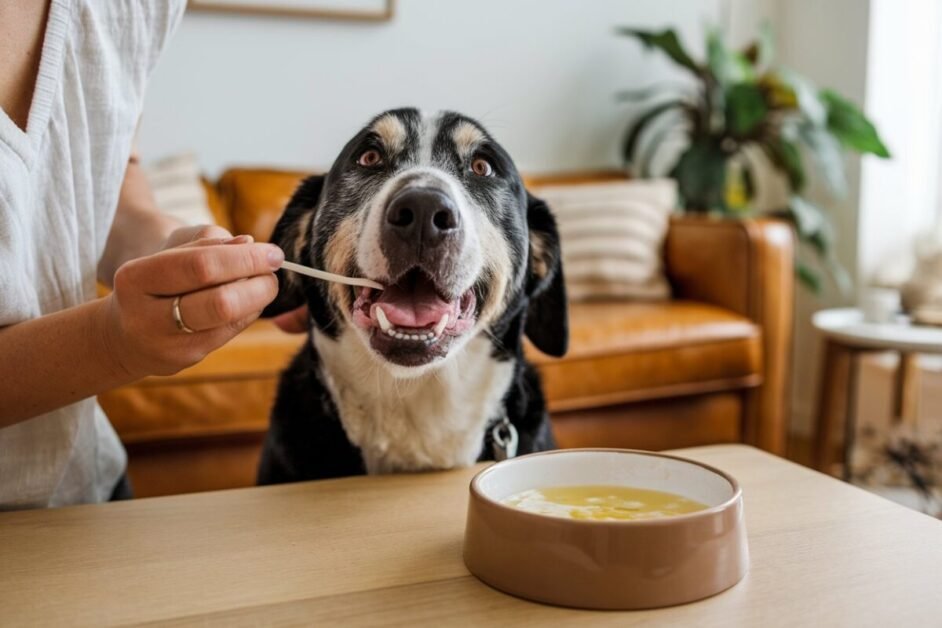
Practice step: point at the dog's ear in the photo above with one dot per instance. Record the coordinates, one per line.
(293, 234)
(547, 321)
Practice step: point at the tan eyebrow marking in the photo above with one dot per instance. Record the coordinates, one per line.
(466, 137)
(391, 131)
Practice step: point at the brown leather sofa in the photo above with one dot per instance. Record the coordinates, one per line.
(709, 366)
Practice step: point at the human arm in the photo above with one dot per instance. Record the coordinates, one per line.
(54, 360)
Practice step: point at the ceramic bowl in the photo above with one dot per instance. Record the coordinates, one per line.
(606, 564)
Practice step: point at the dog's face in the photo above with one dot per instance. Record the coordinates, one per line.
(433, 208)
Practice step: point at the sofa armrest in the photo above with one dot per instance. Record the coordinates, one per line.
(746, 266)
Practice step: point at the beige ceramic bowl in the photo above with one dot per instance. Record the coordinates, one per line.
(606, 564)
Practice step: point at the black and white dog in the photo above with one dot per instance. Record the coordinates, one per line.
(411, 377)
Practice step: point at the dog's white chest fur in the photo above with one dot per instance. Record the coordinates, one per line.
(434, 421)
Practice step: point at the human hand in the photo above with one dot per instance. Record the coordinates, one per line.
(223, 284)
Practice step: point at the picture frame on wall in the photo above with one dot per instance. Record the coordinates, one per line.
(353, 10)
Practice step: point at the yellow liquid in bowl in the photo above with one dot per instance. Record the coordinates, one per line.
(602, 503)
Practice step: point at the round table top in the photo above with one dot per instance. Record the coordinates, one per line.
(847, 326)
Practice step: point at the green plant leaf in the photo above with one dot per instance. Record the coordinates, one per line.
(850, 126)
(816, 231)
(656, 89)
(761, 52)
(658, 131)
(667, 42)
(826, 151)
(778, 94)
(701, 176)
(745, 108)
(810, 220)
(808, 277)
(809, 102)
(638, 126)
(749, 178)
(840, 275)
(727, 66)
(786, 158)
(739, 188)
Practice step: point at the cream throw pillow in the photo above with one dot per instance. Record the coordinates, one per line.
(612, 236)
(178, 189)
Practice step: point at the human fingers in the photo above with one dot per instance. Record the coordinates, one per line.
(184, 235)
(227, 304)
(189, 269)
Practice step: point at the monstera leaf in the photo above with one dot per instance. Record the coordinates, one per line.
(745, 109)
(727, 66)
(667, 42)
(786, 158)
(849, 125)
(639, 125)
(701, 176)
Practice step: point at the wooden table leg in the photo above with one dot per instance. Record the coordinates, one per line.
(899, 386)
(904, 397)
(833, 383)
(850, 412)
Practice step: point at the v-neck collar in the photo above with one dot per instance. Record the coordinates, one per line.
(24, 143)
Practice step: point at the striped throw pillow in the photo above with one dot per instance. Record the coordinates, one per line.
(612, 236)
(178, 190)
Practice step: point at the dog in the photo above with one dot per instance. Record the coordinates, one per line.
(415, 377)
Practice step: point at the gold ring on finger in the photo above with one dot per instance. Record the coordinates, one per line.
(178, 316)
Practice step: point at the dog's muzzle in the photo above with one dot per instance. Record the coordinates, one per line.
(425, 303)
(421, 228)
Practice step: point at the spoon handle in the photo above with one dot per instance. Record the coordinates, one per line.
(321, 274)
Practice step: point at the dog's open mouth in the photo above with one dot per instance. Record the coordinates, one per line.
(413, 310)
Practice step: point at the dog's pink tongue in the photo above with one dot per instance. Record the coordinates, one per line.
(414, 306)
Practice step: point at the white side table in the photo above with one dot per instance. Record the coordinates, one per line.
(847, 336)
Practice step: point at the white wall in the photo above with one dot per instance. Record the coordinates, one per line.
(541, 74)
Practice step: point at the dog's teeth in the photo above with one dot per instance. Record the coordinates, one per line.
(384, 323)
(442, 324)
(391, 332)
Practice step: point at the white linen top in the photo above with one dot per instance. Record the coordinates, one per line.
(59, 185)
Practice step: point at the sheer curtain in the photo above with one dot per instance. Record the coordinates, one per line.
(901, 199)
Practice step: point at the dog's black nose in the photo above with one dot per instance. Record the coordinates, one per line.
(424, 217)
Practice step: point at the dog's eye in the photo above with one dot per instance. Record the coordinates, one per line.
(370, 158)
(482, 167)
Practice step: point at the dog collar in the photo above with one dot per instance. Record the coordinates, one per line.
(504, 439)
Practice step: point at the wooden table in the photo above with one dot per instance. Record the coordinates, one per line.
(369, 551)
(847, 336)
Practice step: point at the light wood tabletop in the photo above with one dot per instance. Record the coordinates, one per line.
(387, 550)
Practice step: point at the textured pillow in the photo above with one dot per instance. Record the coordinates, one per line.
(178, 189)
(612, 236)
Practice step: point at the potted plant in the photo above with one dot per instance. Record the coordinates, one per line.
(740, 116)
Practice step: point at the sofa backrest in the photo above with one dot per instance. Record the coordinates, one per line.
(250, 200)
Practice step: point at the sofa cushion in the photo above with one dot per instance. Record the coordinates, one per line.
(621, 352)
(256, 198)
(228, 393)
